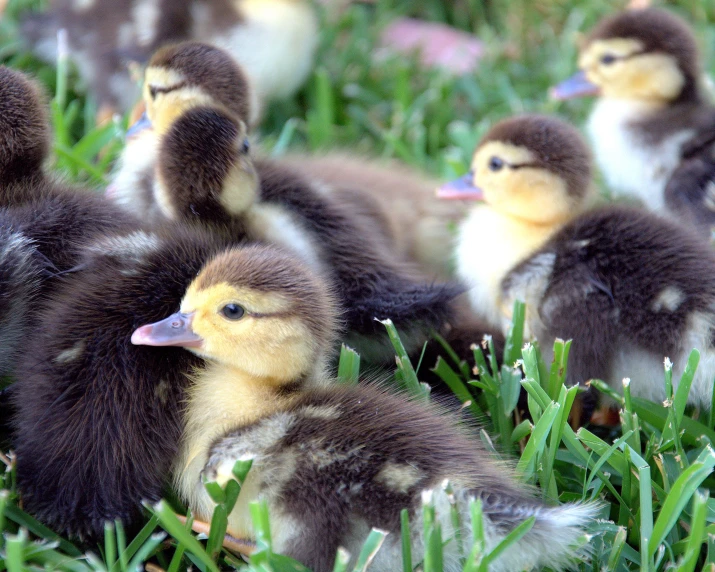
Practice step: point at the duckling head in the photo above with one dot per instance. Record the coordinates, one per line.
(645, 55)
(253, 309)
(24, 127)
(191, 74)
(533, 167)
(205, 172)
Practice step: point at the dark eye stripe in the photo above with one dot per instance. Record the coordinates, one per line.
(154, 90)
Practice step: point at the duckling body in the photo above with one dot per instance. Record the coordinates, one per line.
(276, 35)
(363, 458)
(629, 287)
(331, 461)
(98, 419)
(645, 69)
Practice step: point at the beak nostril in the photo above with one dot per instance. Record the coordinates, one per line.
(176, 324)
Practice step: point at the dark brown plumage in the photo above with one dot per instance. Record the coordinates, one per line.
(690, 193)
(22, 272)
(368, 279)
(24, 128)
(98, 419)
(622, 281)
(660, 32)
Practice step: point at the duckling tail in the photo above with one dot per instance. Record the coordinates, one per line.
(556, 539)
(426, 305)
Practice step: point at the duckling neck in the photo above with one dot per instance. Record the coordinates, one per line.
(490, 244)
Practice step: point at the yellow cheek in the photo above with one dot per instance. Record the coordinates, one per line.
(240, 188)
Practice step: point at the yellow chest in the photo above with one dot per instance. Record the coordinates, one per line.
(219, 402)
(489, 246)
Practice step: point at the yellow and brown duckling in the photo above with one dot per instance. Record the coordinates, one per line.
(275, 40)
(204, 175)
(98, 419)
(652, 113)
(629, 287)
(331, 461)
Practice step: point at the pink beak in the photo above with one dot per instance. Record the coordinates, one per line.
(577, 85)
(172, 331)
(462, 188)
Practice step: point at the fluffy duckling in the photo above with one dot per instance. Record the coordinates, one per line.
(651, 112)
(55, 219)
(399, 201)
(273, 203)
(331, 461)
(627, 286)
(275, 40)
(98, 419)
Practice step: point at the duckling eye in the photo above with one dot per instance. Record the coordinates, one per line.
(245, 147)
(495, 164)
(608, 59)
(152, 92)
(233, 311)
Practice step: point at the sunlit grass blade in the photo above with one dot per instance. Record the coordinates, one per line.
(680, 494)
(369, 549)
(173, 526)
(698, 535)
(406, 540)
(535, 447)
(349, 366)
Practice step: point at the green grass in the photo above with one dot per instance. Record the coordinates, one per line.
(653, 474)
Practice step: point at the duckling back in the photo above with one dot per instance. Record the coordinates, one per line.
(339, 461)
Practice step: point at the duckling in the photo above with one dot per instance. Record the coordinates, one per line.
(275, 40)
(629, 287)
(651, 111)
(400, 202)
(274, 204)
(98, 419)
(331, 461)
(51, 217)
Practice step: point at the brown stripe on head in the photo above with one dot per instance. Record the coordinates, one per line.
(658, 31)
(268, 270)
(556, 146)
(212, 70)
(24, 126)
